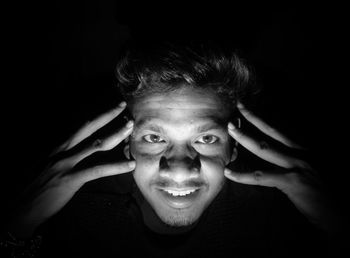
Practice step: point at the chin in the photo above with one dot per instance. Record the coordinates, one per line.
(178, 219)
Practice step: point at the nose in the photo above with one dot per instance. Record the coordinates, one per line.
(180, 163)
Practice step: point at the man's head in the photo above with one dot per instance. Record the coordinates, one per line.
(181, 98)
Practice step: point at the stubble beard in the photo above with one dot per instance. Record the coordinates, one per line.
(178, 219)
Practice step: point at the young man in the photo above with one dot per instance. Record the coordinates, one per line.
(185, 195)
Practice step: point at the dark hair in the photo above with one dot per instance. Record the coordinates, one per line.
(163, 67)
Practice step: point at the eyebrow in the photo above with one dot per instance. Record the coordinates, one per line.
(216, 123)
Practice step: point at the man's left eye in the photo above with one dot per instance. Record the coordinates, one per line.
(208, 139)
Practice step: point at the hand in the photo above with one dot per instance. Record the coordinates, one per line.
(292, 175)
(53, 189)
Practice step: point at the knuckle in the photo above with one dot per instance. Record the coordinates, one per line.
(258, 176)
(98, 144)
(263, 145)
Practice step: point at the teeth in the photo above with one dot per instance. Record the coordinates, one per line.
(179, 193)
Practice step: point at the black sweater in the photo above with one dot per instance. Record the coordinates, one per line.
(104, 220)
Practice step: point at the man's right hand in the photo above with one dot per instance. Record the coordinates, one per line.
(57, 184)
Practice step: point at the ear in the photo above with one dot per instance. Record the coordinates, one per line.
(127, 148)
(237, 121)
(234, 153)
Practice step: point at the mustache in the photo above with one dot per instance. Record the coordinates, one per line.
(166, 183)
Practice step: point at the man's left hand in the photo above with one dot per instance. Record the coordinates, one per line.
(292, 175)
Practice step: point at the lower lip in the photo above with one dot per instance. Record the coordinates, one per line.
(179, 202)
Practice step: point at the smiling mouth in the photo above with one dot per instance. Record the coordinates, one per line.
(179, 192)
(180, 198)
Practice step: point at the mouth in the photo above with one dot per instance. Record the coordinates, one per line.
(179, 198)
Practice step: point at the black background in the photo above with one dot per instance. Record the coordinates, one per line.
(59, 57)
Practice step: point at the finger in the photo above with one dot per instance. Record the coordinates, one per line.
(262, 149)
(91, 127)
(258, 177)
(102, 145)
(106, 170)
(265, 128)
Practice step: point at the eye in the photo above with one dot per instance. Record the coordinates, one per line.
(153, 138)
(208, 139)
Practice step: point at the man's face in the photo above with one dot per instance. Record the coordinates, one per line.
(181, 146)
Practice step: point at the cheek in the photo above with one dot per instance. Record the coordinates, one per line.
(213, 169)
(146, 166)
(216, 157)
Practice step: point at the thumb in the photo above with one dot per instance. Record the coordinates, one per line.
(107, 170)
(258, 177)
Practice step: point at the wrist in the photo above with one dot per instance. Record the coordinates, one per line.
(300, 184)
(315, 203)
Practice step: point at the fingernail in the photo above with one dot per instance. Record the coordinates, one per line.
(132, 164)
(227, 172)
(231, 126)
(129, 124)
(122, 104)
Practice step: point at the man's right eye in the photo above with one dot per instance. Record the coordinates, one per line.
(153, 138)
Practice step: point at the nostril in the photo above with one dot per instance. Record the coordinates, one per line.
(174, 163)
(163, 164)
(196, 163)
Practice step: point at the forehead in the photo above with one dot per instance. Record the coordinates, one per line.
(185, 105)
